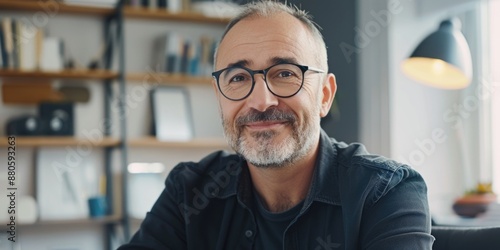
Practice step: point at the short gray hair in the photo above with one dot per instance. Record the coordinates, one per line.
(269, 8)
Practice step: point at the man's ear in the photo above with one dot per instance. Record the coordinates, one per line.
(329, 90)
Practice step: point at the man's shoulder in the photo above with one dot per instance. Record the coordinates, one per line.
(188, 175)
(355, 155)
(369, 172)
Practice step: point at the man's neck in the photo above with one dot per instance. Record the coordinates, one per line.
(282, 188)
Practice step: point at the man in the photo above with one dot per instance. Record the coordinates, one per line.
(289, 186)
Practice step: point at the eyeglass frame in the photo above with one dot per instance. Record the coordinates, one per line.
(303, 68)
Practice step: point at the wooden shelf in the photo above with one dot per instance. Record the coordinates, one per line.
(195, 143)
(160, 14)
(65, 74)
(167, 79)
(75, 222)
(53, 7)
(136, 221)
(53, 141)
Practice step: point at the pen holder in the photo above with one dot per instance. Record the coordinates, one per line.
(97, 206)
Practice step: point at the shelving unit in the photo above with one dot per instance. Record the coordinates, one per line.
(152, 142)
(63, 223)
(45, 141)
(33, 5)
(105, 76)
(128, 12)
(168, 79)
(145, 13)
(108, 78)
(65, 74)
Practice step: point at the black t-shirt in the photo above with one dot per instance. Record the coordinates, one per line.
(271, 226)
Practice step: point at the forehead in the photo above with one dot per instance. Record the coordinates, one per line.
(259, 40)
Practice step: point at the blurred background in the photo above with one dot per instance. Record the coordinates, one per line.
(104, 100)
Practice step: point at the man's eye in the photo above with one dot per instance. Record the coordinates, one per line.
(238, 78)
(285, 74)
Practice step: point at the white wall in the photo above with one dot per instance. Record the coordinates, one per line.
(417, 112)
(83, 35)
(420, 130)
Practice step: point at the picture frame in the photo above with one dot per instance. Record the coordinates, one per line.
(172, 114)
(61, 192)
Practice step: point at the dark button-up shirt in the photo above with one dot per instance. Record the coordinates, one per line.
(355, 201)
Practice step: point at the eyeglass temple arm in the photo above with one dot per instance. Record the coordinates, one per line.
(315, 69)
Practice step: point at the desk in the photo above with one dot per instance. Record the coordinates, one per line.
(490, 218)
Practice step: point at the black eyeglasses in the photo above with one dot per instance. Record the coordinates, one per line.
(283, 80)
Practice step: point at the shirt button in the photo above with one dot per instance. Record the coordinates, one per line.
(248, 233)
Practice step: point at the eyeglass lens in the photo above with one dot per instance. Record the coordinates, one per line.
(282, 79)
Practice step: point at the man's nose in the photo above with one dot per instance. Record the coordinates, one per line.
(261, 98)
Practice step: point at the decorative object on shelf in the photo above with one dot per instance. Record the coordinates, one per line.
(97, 206)
(145, 184)
(28, 125)
(75, 94)
(93, 3)
(173, 6)
(57, 118)
(26, 93)
(27, 211)
(442, 59)
(172, 114)
(52, 56)
(60, 188)
(6, 244)
(178, 55)
(217, 9)
(475, 202)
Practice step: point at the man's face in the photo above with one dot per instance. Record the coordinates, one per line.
(267, 130)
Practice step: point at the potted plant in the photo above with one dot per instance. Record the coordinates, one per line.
(475, 201)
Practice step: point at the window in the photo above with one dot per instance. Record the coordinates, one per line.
(493, 36)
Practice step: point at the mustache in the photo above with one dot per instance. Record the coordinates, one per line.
(272, 114)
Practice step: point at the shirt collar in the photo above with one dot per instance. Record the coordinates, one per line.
(323, 187)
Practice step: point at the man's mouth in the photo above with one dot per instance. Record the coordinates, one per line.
(265, 125)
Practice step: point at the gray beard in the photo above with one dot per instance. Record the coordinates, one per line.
(261, 150)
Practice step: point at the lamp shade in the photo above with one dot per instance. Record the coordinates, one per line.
(442, 59)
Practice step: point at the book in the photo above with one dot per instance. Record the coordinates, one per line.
(174, 46)
(153, 4)
(135, 3)
(1, 47)
(205, 64)
(184, 57)
(93, 3)
(159, 53)
(38, 48)
(27, 46)
(193, 59)
(15, 44)
(174, 6)
(162, 4)
(51, 57)
(8, 42)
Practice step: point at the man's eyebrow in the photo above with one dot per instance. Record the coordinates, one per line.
(278, 60)
(240, 63)
(273, 61)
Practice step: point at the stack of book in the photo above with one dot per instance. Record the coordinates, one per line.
(178, 55)
(23, 47)
(93, 3)
(170, 5)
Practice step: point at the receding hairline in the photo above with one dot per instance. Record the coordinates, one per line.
(267, 9)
